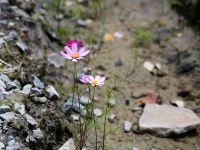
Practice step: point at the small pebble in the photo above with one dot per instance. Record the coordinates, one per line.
(127, 126)
(98, 112)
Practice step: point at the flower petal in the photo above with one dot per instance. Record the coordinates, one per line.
(85, 53)
(68, 50)
(74, 60)
(102, 79)
(82, 50)
(97, 77)
(74, 48)
(65, 55)
(91, 78)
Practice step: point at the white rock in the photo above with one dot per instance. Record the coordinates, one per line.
(112, 118)
(112, 102)
(148, 66)
(135, 148)
(22, 46)
(27, 89)
(98, 112)
(75, 117)
(166, 119)
(158, 66)
(119, 34)
(52, 93)
(30, 119)
(38, 134)
(69, 145)
(9, 116)
(127, 126)
(29, 138)
(1, 146)
(19, 108)
(178, 103)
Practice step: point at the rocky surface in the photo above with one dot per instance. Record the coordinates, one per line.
(166, 119)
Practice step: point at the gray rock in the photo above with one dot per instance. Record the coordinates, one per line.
(166, 119)
(13, 145)
(119, 62)
(85, 100)
(19, 108)
(3, 22)
(30, 138)
(127, 126)
(2, 86)
(37, 83)
(178, 103)
(22, 46)
(69, 145)
(135, 148)
(12, 35)
(4, 109)
(52, 93)
(2, 96)
(81, 23)
(40, 99)
(38, 134)
(9, 116)
(75, 117)
(4, 78)
(112, 118)
(10, 86)
(56, 60)
(17, 83)
(98, 112)
(1, 146)
(30, 119)
(69, 105)
(36, 91)
(27, 89)
(112, 102)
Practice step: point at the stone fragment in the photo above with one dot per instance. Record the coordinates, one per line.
(98, 112)
(9, 116)
(118, 34)
(38, 134)
(119, 62)
(30, 119)
(40, 99)
(1, 146)
(19, 108)
(85, 100)
(22, 46)
(112, 118)
(69, 145)
(30, 138)
(166, 119)
(148, 66)
(56, 60)
(36, 91)
(127, 126)
(178, 103)
(150, 99)
(37, 82)
(52, 93)
(4, 109)
(27, 89)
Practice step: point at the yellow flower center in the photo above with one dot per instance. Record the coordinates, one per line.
(75, 55)
(95, 82)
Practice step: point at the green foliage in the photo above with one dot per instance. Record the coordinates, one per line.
(142, 37)
(79, 13)
(95, 8)
(55, 5)
(64, 32)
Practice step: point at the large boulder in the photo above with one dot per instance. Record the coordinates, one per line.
(166, 119)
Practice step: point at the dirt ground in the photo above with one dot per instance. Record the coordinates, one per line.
(179, 56)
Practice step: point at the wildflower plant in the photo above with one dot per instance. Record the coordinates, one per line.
(74, 51)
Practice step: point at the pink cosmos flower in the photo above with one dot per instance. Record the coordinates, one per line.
(96, 81)
(85, 79)
(71, 42)
(73, 53)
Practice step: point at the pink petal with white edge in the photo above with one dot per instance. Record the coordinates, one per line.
(91, 78)
(65, 55)
(82, 50)
(85, 53)
(80, 58)
(102, 79)
(97, 77)
(68, 50)
(74, 48)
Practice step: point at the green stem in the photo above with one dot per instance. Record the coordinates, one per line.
(94, 120)
(74, 84)
(104, 127)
